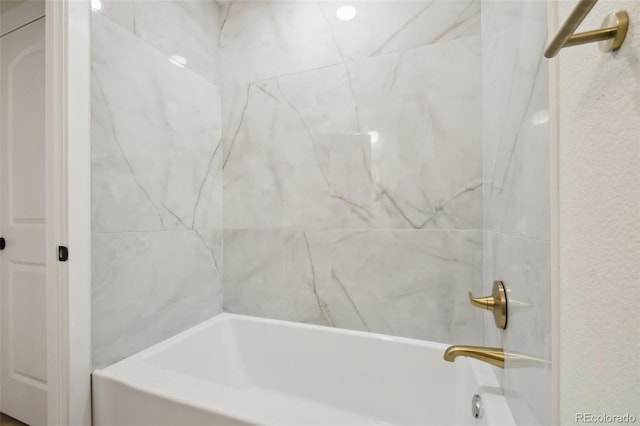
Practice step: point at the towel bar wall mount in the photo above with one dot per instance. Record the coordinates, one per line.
(610, 36)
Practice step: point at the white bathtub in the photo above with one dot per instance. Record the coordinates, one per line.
(238, 370)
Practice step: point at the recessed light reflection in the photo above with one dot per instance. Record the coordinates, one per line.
(96, 4)
(180, 61)
(374, 136)
(346, 13)
(540, 117)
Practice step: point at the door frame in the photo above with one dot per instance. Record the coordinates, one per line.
(67, 291)
(68, 171)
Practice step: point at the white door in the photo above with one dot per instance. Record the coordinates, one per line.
(23, 359)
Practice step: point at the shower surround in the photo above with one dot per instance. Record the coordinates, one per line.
(353, 165)
(352, 162)
(362, 174)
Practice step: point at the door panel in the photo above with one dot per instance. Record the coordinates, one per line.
(25, 148)
(22, 224)
(28, 350)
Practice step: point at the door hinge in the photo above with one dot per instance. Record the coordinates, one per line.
(63, 253)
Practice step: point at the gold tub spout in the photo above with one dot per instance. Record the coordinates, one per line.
(494, 356)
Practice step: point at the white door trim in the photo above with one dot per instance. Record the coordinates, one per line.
(56, 211)
(69, 207)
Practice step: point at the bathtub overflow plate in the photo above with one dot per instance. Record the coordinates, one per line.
(476, 405)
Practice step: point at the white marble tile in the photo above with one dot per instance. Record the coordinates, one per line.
(299, 150)
(155, 138)
(276, 273)
(523, 264)
(408, 283)
(499, 15)
(120, 11)
(516, 131)
(401, 282)
(391, 26)
(184, 28)
(516, 197)
(261, 167)
(148, 286)
(261, 40)
(208, 210)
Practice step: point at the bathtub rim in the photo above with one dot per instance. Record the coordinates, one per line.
(118, 373)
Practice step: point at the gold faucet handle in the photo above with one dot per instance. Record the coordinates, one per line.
(488, 302)
(497, 303)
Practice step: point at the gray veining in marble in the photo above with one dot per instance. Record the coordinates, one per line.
(516, 128)
(276, 273)
(183, 28)
(155, 137)
(261, 40)
(349, 163)
(299, 150)
(407, 283)
(156, 186)
(400, 282)
(353, 169)
(150, 285)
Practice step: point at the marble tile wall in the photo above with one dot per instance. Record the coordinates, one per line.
(353, 165)
(516, 241)
(395, 281)
(156, 173)
(354, 189)
(299, 149)
(184, 28)
(266, 39)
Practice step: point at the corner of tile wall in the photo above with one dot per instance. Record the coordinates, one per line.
(516, 197)
(156, 173)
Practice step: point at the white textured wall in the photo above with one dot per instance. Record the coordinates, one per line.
(599, 226)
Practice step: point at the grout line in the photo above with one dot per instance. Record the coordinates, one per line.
(353, 61)
(523, 237)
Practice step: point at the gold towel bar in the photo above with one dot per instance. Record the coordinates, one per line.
(611, 35)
